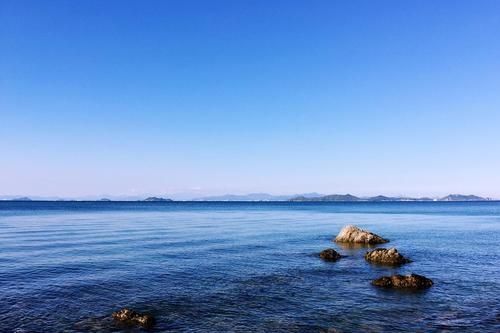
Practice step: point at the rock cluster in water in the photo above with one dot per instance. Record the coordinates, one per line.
(386, 257)
(349, 234)
(130, 317)
(412, 281)
(329, 255)
(353, 234)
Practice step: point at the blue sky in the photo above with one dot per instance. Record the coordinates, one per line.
(209, 97)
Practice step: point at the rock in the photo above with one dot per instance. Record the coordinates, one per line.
(412, 281)
(353, 234)
(386, 257)
(329, 255)
(131, 317)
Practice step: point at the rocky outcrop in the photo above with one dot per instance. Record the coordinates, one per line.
(412, 281)
(386, 257)
(329, 255)
(353, 234)
(130, 317)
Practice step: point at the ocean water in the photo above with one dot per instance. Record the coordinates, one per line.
(244, 267)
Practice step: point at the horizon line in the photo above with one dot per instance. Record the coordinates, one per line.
(310, 196)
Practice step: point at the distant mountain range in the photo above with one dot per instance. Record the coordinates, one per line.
(306, 197)
(379, 198)
(257, 197)
(102, 199)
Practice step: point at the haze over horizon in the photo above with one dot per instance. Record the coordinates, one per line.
(197, 98)
(260, 196)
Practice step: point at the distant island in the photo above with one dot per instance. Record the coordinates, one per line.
(21, 199)
(157, 199)
(381, 198)
(460, 197)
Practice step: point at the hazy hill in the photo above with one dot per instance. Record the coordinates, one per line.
(157, 199)
(461, 197)
(21, 199)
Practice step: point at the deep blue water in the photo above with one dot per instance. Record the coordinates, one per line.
(244, 267)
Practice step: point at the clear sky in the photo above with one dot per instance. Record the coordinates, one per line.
(211, 97)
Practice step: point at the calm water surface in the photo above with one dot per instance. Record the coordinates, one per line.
(244, 267)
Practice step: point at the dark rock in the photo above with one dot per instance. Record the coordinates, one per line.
(329, 255)
(131, 317)
(412, 281)
(386, 257)
(353, 234)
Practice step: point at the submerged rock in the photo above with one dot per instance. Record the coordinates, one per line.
(131, 317)
(386, 257)
(412, 281)
(353, 234)
(329, 255)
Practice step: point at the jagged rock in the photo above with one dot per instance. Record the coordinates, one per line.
(412, 281)
(131, 317)
(329, 255)
(386, 257)
(353, 234)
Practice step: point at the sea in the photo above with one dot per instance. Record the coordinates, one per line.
(245, 266)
